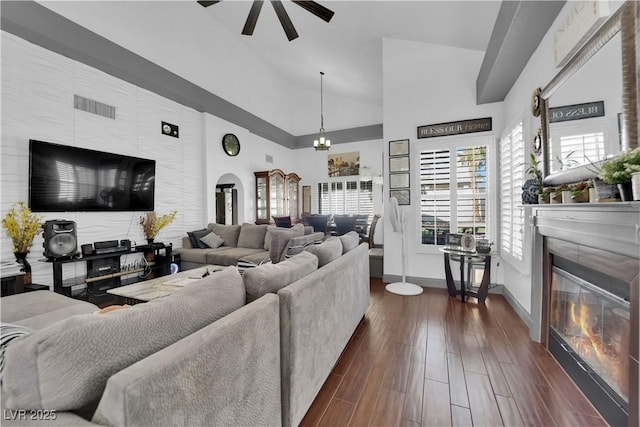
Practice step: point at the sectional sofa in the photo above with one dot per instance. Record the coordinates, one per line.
(250, 242)
(226, 350)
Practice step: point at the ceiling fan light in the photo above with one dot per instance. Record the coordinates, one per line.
(328, 143)
(315, 142)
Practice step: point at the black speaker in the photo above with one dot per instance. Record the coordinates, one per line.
(60, 239)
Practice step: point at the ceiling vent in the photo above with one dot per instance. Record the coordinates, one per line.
(94, 107)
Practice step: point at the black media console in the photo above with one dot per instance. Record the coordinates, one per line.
(105, 271)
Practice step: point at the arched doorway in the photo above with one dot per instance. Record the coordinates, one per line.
(229, 200)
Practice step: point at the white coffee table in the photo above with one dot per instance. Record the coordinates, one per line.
(162, 286)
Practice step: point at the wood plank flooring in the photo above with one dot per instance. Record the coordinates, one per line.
(430, 360)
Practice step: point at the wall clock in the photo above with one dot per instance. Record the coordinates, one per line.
(231, 144)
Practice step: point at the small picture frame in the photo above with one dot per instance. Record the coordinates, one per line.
(399, 180)
(399, 147)
(403, 196)
(399, 164)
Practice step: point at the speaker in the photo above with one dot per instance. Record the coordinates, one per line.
(60, 239)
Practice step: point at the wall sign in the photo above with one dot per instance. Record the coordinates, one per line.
(455, 128)
(581, 20)
(576, 112)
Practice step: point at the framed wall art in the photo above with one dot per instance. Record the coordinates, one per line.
(399, 147)
(399, 164)
(399, 180)
(403, 196)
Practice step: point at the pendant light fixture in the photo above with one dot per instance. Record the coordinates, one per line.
(321, 144)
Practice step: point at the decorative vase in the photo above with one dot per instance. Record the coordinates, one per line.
(21, 258)
(150, 241)
(626, 191)
(635, 185)
(606, 192)
(530, 191)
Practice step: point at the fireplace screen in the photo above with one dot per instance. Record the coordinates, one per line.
(595, 325)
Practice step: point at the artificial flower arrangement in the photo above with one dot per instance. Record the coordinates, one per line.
(618, 170)
(22, 226)
(152, 224)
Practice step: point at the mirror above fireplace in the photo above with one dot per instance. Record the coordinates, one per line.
(604, 69)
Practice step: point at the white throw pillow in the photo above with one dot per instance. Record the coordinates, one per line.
(212, 240)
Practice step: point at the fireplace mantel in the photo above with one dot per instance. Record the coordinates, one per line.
(603, 237)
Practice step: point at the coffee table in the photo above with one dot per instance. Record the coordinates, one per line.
(161, 286)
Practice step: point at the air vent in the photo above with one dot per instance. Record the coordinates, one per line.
(94, 107)
(269, 158)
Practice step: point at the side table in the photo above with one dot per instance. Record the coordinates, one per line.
(470, 258)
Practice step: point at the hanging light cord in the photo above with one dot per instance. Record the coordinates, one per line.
(321, 104)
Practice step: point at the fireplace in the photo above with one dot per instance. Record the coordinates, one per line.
(589, 336)
(585, 298)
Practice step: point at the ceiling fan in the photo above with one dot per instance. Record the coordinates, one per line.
(250, 24)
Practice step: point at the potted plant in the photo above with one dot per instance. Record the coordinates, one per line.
(544, 196)
(556, 195)
(22, 226)
(580, 191)
(152, 224)
(532, 187)
(618, 171)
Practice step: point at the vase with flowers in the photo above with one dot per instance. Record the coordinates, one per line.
(152, 224)
(619, 169)
(21, 226)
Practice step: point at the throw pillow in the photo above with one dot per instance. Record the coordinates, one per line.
(327, 251)
(80, 353)
(212, 240)
(229, 233)
(8, 333)
(271, 278)
(279, 240)
(244, 264)
(193, 239)
(295, 250)
(349, 241)
(252, 236)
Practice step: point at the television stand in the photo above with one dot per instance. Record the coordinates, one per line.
(104, 271)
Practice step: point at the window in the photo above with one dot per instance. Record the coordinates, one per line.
(511, 178)
(454, 190)
(345, 197)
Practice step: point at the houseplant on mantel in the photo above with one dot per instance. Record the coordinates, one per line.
(619, 169)
(533, 186)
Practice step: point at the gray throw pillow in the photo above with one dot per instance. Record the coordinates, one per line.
(273, 277)
(267, 237)
(327, 251)
(8, 333)
(79, 354)
(252, 236)
(349, 241)
(193, 239)
(279, 240)
(212, 240)
(229, 233)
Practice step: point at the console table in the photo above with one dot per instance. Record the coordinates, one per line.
(470, 258)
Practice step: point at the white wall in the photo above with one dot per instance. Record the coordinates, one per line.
(538, 73)
(426, 84)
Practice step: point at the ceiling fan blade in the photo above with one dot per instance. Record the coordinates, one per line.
(285, 21)
(316, 8)
(252, 18)
(204, 3)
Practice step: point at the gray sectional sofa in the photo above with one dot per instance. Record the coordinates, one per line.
(251, 242)
(197, 357)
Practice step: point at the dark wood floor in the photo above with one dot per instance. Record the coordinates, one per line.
(430, 360)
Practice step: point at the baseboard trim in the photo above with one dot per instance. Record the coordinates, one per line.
(442, 284)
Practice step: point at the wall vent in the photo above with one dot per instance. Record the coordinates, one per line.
(94, 107)
(269, 158)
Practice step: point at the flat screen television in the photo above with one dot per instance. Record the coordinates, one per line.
(64, 178)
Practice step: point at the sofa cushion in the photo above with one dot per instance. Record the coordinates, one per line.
(229, 233)
(199, 256)
(326, 251)
(267, 237)
(230, 256)
(280, 238)
(252, 236)
(258, 257)
(349, 241)
(273, 277)
(80, 353)
(212, 240)
(195, 236)
(38, 309)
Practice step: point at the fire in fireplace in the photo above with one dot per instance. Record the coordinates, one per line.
(589, 328)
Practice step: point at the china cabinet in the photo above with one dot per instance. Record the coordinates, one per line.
(276, 195)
